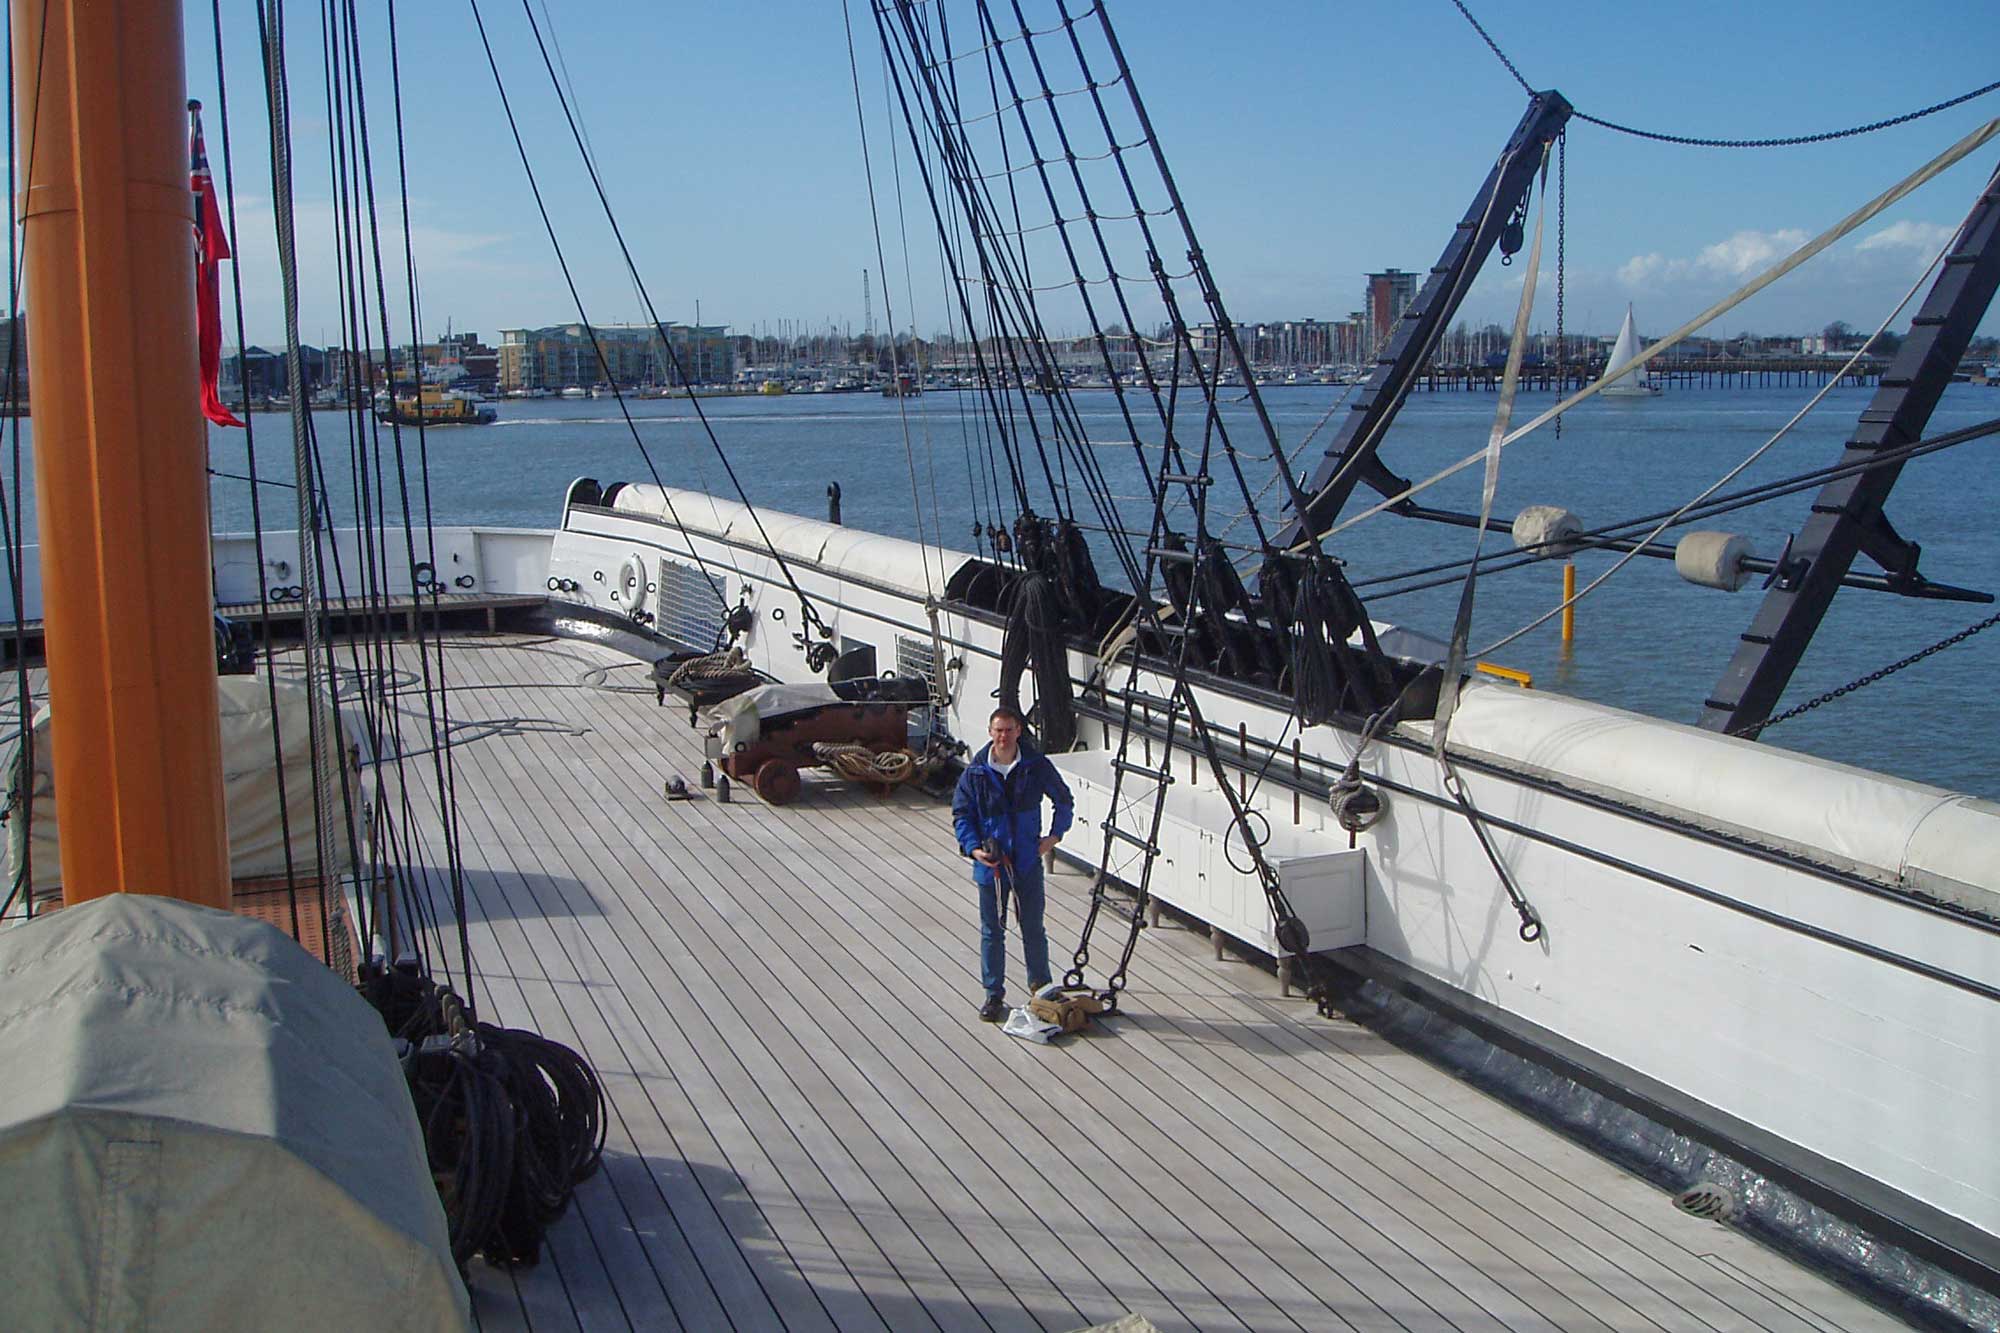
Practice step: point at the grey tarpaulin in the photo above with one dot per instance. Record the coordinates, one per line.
(201, 1127)
(257, 821)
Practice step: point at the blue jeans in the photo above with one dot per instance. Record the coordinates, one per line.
(1027, 899)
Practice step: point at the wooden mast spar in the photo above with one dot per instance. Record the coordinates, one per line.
(121, 486)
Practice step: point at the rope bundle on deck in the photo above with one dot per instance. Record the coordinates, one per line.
(710, 666)
(512, 1121)
(861, 764)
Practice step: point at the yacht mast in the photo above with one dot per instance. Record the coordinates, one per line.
(121, 487)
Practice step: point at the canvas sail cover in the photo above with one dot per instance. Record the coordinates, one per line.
(257, 818)
(203, 1127)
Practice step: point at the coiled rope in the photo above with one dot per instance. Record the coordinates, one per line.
(512, 1121)
(711, 666)
(861, 764)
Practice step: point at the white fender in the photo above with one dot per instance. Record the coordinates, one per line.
(632, 585)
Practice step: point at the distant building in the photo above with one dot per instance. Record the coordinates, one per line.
(467, 362)
(14, 335)
(1389, 295)
(629, 355)
(265, 374)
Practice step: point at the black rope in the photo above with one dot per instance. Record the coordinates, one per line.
(512, 1121)
(256, 500)
(583, 316)
(807, 612)
(436, 704)
(21, 798)
(1625, 529)
(1693, 141)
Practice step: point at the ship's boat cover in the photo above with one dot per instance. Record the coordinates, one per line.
(201, 1127)
(257, 819)
(740, 720)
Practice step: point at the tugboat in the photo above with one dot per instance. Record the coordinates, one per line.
(433, 407)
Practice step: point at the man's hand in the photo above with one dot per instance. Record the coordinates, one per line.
(1048, 844)
(984, 857)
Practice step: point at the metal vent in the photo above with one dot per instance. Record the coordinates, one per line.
(689, 606)
(917, 658)
(1708, 1200)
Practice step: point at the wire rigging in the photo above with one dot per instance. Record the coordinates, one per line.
(808, 613)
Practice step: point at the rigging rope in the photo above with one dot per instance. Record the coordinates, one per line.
(1734, 472)
(21, 799)
(1923, 175)
(583, 316)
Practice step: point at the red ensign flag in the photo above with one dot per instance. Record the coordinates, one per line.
(211, 247)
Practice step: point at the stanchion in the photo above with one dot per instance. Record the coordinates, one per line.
(1569, 604)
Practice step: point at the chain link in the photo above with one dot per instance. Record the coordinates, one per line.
(1789, 141)
(1562, 265)
(1751, 733)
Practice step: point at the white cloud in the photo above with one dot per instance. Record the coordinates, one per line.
(1926, 238)
(1749, 252)
(1738, 256)
(1642, 270)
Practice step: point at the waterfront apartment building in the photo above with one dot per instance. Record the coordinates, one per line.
(1389, 295)
(1301, 344)
(628, 355)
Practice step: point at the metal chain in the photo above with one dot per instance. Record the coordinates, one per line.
(1751, 733)
(1494, 47)
(1789, 141)
(1562, 266)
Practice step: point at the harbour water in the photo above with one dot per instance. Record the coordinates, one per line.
(1646, 640)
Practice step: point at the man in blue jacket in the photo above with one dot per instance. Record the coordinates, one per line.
(997, 812)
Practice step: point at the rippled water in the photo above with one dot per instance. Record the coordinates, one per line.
(1646, 640)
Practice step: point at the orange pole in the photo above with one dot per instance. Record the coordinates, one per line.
(1569, 605)
(121, 487)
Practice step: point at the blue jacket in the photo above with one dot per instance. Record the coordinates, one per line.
(1009, 809)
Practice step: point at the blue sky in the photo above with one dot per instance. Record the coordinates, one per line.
(1312, 141)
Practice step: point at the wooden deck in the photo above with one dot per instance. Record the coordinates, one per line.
(811, 1129)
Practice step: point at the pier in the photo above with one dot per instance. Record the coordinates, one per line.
(1719, 372)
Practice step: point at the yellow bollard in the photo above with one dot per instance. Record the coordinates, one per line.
(1569, 604)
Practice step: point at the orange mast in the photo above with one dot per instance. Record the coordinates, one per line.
(121, 486)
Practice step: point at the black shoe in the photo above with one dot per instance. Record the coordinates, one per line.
(994, 1010)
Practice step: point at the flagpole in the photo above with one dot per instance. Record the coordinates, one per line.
(121, 486)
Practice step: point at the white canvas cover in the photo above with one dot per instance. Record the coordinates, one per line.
(201, 1127)
(740, 718)
(256, 818)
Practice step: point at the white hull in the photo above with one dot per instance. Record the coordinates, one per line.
(1703, 895)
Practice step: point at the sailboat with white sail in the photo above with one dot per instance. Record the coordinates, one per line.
(1622, 379)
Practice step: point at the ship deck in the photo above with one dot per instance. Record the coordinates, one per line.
(811, 1129)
